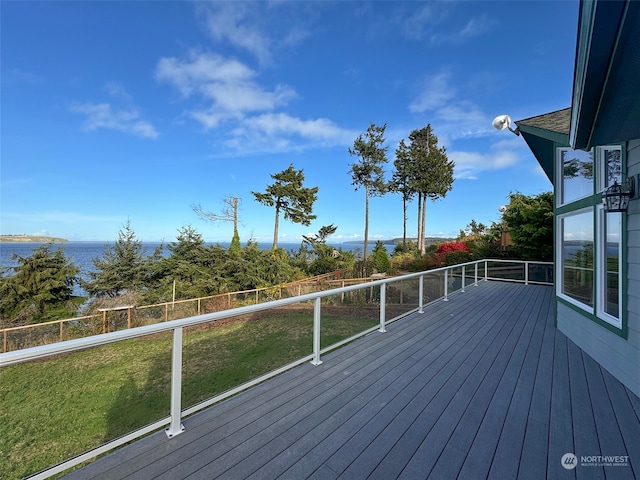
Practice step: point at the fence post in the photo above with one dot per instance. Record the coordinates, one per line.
(446, 285)
(176, 427)
(463, 279)
(61, 331)
(486, 268)
(316, 332)
(526, 273)
(383, 301)
(198, 306)
(421, 294)
(129, 317)
(4, 341)
(475, 283)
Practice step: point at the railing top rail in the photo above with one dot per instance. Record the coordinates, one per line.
(42, 351)
(502, 260)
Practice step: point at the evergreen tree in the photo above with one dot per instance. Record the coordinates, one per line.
(192, 270)
(432, 174)
(380, 258)
(40, 282)
(123, 267)
(401, 183)
(288, 195)
(369, 171)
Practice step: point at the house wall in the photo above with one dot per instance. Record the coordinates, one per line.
(619, 356)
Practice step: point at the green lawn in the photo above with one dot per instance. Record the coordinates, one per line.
(54, 409)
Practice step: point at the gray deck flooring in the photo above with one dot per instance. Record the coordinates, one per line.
(482, 386)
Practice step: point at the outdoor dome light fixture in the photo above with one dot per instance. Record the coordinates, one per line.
(502, 122)
(617, 196)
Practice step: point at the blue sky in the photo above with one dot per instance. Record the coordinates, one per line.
(132, 110)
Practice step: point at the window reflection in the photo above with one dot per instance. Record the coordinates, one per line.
(577, 174)
(611, 161)
(577, 257)
(612, 230)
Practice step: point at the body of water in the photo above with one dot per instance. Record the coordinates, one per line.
(83, 253)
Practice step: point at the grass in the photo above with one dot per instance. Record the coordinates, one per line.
(57, 408)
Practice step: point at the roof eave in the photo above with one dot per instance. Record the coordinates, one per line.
(599, 21)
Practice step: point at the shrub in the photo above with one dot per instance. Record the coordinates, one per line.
(450, 247)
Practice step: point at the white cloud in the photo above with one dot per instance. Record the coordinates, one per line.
(422, 22)
(246, 109)
(469, 164)
(473, 28)
(250, 26)
(439, 23)
(282, 132)
(236, 23)
(227, 84)
(281, 123)
(452, 117)
(101, 115)
(436, 93)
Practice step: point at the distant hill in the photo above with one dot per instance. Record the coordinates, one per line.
(395, 241)
(30, 238)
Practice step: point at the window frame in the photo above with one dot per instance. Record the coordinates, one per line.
(592, 203)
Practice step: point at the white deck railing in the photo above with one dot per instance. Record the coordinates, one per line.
(465, 274)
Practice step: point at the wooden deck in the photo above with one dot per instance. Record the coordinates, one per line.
(482, 386)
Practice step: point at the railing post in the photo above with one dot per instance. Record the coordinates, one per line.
(463, 279)
(421, 294)
(383, 299)
(526, 273)
(176, 427)
(486, 269)
(446, 285)
(316, 332)
(475, 283)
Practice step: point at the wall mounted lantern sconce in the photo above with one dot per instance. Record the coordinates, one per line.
(617, 196)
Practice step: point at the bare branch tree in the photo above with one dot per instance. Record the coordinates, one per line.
(229, 213)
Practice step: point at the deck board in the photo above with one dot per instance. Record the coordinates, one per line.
(481, 386)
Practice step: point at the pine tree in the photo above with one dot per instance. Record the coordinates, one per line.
(288, 195)
(369, 171)
(123, 267)
(432, 174)
(40, 282)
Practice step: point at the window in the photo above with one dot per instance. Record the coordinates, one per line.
(590, 269)
(609, 166)
(610, 266)
(576, 257)
(576, 174)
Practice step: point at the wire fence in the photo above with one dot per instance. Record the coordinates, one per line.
(130, 316)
